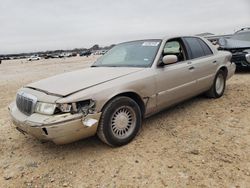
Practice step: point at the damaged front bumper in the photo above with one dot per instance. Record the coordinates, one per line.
(60, 129)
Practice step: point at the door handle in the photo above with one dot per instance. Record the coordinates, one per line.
(191, 68)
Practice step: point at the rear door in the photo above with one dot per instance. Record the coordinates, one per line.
(203, 60)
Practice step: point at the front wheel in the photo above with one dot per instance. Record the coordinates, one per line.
(219, 85)
(120, 121)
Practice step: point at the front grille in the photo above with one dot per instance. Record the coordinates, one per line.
(244, 63)
(240, 59)
(25, 103)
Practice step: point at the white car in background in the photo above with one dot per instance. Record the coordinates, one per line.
(64, 54)
(34, 58)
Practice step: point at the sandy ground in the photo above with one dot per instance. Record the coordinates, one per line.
(199, 143)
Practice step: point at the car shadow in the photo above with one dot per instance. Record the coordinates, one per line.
(245, 70)
(178, 107)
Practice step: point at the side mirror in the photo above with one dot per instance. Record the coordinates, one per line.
(169, 59)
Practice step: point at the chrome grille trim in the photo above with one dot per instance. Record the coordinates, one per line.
(26, 102)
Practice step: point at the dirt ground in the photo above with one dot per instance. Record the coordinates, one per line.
(199, 143)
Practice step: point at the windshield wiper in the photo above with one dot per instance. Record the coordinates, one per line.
(113, 66)
(105, 66)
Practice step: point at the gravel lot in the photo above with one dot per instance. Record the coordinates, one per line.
(199, 143)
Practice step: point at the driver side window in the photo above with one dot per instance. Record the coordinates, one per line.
(174, 47)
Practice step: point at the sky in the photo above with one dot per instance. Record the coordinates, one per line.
(40, 25)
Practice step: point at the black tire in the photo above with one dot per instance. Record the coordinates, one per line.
(214, 92)
(108, 130)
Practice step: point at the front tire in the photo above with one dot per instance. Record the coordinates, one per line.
(120, 121)
(219, 85)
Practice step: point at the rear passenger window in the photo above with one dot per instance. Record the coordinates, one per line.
(205, 47)
(198, 48)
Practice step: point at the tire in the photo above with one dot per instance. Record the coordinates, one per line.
(120, 121)
(219, 85)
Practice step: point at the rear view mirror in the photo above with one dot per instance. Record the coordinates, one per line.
(169, 59)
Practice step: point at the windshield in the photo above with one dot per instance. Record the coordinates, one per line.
(242, 36)
(130, 54)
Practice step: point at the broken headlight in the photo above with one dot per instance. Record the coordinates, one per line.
(64, 107)
(84, 107)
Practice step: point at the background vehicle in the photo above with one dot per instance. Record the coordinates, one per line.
(86, 53)
(132, 81)
(239, 46)
(34, 58)
(100, 52)
(63, 55)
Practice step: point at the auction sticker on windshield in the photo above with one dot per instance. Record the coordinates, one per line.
(150, 43)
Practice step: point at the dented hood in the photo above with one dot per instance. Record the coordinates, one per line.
(72, 82)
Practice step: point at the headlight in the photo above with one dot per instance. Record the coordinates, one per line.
(45, 108)
(248, 58)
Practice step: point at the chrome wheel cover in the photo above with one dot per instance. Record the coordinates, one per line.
(220, 84)
(123, 122)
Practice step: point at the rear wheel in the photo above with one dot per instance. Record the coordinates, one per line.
(219, 85)
(120, 121)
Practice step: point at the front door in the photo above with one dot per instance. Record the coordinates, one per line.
(175, 82)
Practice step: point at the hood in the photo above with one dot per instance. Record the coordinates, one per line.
(72, 82)
(233, 44)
